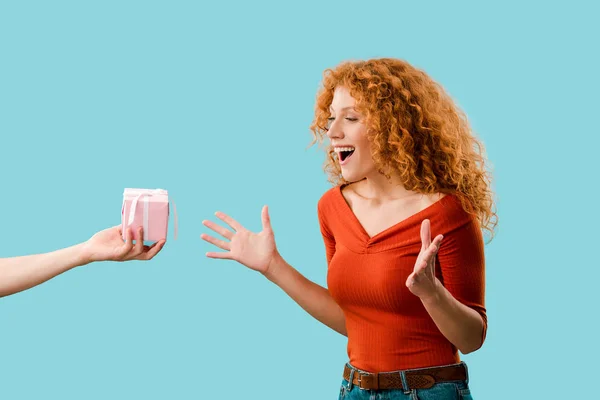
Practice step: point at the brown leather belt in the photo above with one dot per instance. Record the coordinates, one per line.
(421, 378)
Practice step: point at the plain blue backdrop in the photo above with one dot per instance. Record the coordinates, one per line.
(213, 102)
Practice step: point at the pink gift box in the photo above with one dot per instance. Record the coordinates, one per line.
(148, 208)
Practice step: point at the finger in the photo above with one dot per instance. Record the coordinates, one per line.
(217, 242)
(139, 242)
(226, 233)
(430, 253)
(223, 256)
(438, 240)
(128, 239)
(436, 244)
(425, 234)
(127, 245)
(266, 219)
(229, 221)
(420, 267)
(154, 249)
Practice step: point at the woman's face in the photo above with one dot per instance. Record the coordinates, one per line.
(347, 133)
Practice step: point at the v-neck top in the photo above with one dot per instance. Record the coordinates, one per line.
(388, 327)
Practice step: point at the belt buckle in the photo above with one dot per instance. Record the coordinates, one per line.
(360, 380)
(373, 377)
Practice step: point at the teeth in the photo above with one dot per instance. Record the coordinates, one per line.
(338, 149)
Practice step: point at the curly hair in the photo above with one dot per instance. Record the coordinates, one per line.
(416, 130)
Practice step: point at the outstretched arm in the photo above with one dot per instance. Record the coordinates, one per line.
(313, 298)
(258, 251)
(24, 272)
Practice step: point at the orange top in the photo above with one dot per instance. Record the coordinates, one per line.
(388, 327)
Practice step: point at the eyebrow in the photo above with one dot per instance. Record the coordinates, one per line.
(343, 109)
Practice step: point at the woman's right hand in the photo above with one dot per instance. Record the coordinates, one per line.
(254, 250)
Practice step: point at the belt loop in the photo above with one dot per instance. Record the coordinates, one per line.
(351, 378)
(405, 387)
(466, 371)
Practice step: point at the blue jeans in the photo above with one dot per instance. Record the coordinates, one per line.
(454, 390)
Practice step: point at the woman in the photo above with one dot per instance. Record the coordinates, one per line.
(24, 272)
(404, 164)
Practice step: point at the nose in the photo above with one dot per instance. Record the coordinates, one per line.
(335, 131)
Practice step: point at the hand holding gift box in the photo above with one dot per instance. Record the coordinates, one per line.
(143, 210)
(147, 208)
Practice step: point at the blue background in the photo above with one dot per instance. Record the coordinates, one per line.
(213, 103)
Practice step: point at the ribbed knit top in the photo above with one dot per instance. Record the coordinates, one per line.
(388, 327)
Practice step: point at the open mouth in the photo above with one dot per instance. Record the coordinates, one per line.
(344, 153)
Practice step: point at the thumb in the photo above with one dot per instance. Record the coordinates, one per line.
(266, 220)
(411, 280)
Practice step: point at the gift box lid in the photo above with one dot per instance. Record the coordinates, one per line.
(136, 192)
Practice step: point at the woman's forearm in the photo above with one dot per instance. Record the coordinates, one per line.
(24, 272)
(313, 298)
(460, 324)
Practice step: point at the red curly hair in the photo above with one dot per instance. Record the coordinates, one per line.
(416, 130)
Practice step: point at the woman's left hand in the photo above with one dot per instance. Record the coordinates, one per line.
(423, 282)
